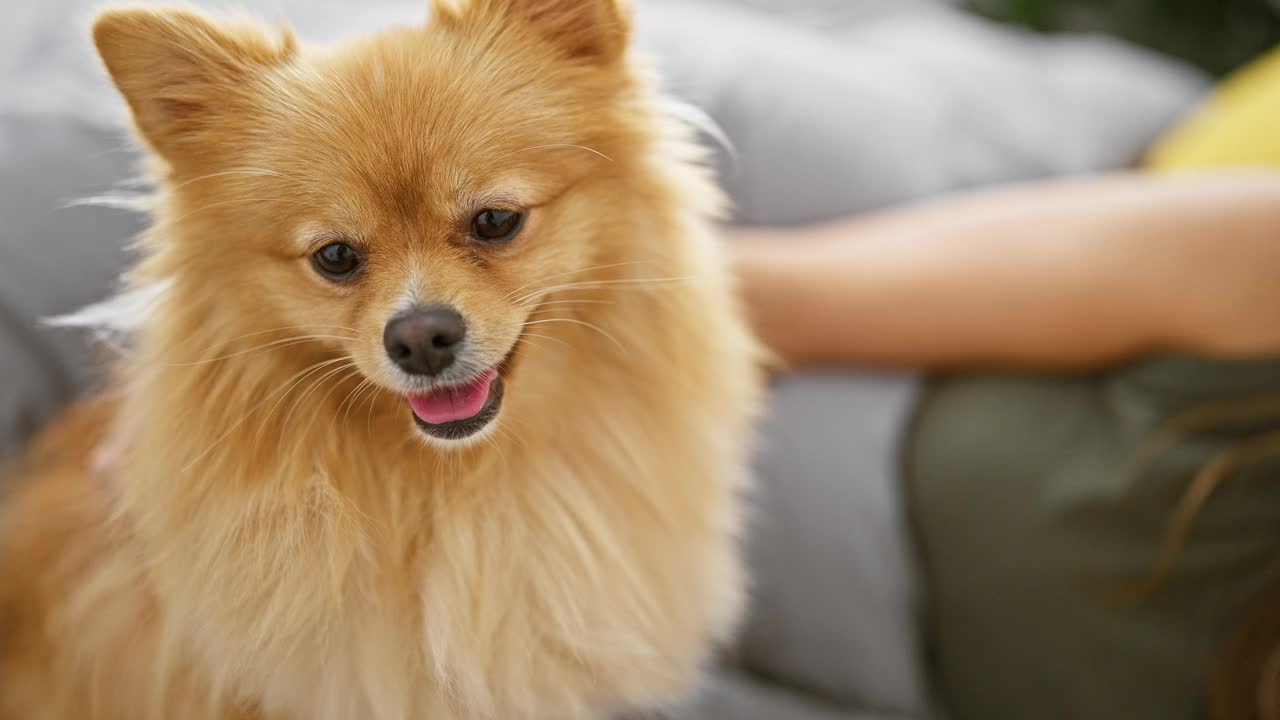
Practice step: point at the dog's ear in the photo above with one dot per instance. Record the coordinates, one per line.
(592, 30)
(182, 72)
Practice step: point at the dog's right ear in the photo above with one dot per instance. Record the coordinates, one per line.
(595, 31)
(181, 72)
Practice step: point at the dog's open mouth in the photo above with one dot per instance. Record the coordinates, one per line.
(459, 411)
(462, 410)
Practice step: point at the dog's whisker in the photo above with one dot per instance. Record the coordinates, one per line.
(227, 433)
(630, 281)
(247, 171)
(368, 420)
(548, 303)
(578, 302)
(294, 327)
(351, 367)
(574, 272)
(408, 438)
(582, 323)
(435, 466)
(274, 345)
(623, 283)
(315, 385)
(350, 371)
(350, 400)
(583, 283)
(294, 379)
(210, 206)
(509, 434)
(296, 383)
(312, 326)
(372, 391)
(541, 311)
(549, 146)
(309, 326)
(528, 335)
(502, 455)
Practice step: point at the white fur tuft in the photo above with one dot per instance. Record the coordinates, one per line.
(115, 319)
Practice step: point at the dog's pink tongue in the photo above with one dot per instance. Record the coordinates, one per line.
(453, 404)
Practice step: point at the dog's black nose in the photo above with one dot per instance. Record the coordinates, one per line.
(424, 341)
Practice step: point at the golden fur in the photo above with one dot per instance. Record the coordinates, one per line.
(270, 537)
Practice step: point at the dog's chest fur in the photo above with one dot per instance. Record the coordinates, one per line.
(550, 577)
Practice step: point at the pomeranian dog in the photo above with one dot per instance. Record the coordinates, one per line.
(441, 404)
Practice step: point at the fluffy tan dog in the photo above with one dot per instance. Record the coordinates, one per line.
(441, 405)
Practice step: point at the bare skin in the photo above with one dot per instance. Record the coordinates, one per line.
(1063, 275)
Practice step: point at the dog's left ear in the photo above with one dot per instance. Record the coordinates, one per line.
(184, 74)
(591, 30)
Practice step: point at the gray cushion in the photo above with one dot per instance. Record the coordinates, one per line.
(53, 259)
(862, 114)
(730, 695)
(834, 608)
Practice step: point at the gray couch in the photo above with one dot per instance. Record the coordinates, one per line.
(833, 107)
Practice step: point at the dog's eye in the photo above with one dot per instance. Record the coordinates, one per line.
(336, 261)
(497, 226)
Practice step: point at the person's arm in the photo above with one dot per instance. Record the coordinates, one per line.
(1065, 274)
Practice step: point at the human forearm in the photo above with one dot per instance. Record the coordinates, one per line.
(1060, 274)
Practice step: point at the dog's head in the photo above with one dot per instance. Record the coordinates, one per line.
(405, 200)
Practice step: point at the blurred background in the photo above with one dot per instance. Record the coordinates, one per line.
(1216, 35)
(831, 108)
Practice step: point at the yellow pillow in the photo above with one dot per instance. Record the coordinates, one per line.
(1238, 126)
